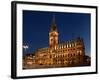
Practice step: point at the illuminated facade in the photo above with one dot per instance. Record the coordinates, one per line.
(66, 54)
(69, 53)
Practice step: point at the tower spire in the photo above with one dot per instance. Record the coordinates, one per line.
(53, 25)
(53, 18)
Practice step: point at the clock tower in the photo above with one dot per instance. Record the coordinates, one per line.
(53, 35)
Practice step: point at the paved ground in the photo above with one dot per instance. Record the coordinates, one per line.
(35, 66)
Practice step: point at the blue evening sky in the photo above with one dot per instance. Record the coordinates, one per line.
(37, 24)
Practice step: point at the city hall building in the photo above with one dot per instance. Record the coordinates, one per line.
(69, 53)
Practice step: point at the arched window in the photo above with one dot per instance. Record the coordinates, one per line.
(73, 45)
(70, 45)
(60, 46)
(67, 45)
(64, 46)
(80, 52)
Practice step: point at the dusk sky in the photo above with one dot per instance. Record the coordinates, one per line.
(37, 24)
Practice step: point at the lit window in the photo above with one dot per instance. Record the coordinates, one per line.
(64, 46)
(55, 47)
(80, 52)
(67, 45)
(70, 45)
(60, 46)
(75, 43)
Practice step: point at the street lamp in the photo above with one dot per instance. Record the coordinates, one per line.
(25, 47)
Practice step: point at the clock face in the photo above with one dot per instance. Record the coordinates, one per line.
(53, 40)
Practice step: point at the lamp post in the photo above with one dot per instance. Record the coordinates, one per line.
(25, 47)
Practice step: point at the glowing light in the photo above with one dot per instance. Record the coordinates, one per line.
(25, 46)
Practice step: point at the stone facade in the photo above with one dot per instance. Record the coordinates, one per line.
(69, 53)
